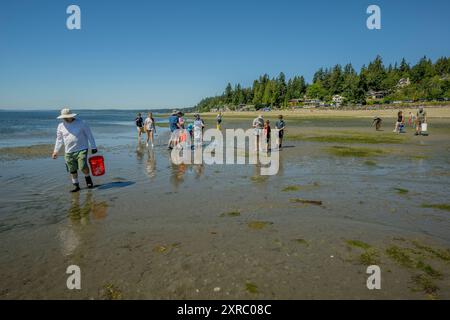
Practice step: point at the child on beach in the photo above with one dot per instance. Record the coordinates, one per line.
(219, 121)
(198, 130)
(267, 133)
(150, 128)
(280, 125)
(76, 136)
(139, 125)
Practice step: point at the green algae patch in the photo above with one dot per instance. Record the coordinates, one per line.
(369, 257)
(26, 152)
(350, 138)
(295, 188)
(259, 179)
(401, 190)
(428, 270)
(291, 189)
(111, 292)
(443, 206)
(358, 244)
(303, 201)
(230, 214)
(259, 225)
(341, 151)
(251, 287)
(301, 241)
(437, 253)
(425, 283)
(400, 256)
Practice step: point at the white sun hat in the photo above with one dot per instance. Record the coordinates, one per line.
(66, 114)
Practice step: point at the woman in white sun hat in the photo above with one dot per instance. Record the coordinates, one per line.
(76, 136)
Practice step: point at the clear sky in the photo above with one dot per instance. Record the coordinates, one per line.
(163, 54)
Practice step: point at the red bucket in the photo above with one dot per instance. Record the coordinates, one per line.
(97, 164)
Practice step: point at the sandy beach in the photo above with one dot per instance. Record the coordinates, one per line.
(345, 197)
(433, 112)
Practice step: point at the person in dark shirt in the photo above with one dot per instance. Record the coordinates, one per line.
(267, 133)
(280, 125)
(139, 125)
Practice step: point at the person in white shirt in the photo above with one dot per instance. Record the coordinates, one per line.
(76, 136)
(199, 125)
(258, 125)
(150, 128)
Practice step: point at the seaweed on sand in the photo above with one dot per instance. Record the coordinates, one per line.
(342, 151)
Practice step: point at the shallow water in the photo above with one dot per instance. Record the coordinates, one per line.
(153, 229)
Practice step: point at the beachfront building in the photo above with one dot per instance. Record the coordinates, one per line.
(295, 102)
(312, 103)
(376, 95)
(338, 100)
(403, 82)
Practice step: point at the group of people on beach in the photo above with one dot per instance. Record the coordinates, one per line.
(147, 126)
(416, 121)
(77, 138)
(181, 132)
(263, 131)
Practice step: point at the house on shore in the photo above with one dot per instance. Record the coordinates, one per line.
(376, 95)
(338, 100)
(403, 82)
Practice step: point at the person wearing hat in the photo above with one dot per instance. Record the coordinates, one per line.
(420, 119)
(76, 136)
(258, 125)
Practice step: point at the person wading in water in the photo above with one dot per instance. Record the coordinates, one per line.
(76, 136)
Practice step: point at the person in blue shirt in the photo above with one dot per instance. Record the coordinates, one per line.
(174, 127)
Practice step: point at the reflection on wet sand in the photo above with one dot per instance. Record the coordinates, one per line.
(177, 173)
(80, 214)
(151, 163)
(140, 152)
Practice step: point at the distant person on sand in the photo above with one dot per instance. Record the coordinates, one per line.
(139, 125)
(76, 137)
(399, 123)
(377, 121)
(258, 125)
(150, 128)
(410, 119)
(219, 121)
(280, 125)
(421, 119)
(174, 129)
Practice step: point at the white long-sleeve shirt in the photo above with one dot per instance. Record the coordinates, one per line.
(75, 136)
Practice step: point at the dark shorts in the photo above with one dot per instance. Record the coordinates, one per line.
(281, 134)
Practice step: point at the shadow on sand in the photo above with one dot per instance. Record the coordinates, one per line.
(113, 185)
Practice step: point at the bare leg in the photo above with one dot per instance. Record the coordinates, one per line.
(151, 138)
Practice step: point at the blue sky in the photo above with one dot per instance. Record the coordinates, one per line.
(163, 54)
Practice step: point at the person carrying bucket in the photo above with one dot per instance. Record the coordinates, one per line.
(421, 121)
(76, 136)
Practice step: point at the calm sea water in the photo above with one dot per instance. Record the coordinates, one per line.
(22, 128)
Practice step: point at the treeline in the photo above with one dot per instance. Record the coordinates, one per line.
(424, 80)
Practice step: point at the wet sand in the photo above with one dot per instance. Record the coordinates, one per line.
(154, 230)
